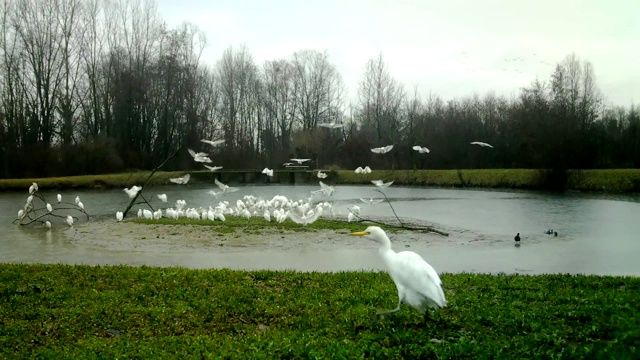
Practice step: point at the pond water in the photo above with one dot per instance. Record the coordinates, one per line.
(597, 234)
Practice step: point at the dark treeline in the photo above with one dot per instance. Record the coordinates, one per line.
(93, 86)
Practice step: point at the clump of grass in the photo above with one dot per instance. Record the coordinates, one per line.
(614, 180)
(58, 311)
(608, 180)
(90, 181)
(255, 224)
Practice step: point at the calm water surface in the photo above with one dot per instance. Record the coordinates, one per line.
(598, 234)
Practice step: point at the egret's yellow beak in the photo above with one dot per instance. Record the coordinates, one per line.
(360, 233)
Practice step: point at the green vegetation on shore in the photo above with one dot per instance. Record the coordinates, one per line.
(58, 311)
(256, 224)
(611, 180)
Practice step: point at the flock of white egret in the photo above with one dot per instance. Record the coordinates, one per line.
(417, 282)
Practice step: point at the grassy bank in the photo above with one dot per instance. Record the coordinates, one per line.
(612, 181)
(56, 311)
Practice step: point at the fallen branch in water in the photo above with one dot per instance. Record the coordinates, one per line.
(145, 201)
(402, 225)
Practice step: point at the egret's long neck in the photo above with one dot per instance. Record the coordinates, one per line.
(385, 250)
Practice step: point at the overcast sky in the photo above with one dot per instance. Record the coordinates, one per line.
(451, 48)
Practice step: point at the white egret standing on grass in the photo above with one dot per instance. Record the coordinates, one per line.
(59, 198)
(418, 284)
(483, 144)
(119, 215)
(49, 207)
(69, 220)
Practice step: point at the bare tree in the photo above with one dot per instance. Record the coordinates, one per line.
(380, 102)
(319, 90)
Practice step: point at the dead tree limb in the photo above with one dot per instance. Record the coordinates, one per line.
(133, 200)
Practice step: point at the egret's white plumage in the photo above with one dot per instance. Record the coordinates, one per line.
(321, 175)
(382, 150)
(213, 142)
(47, 224)
(483, 144)
(49, 207)
(418, 284)
(130, 192)
(162, 197)
(381, 184)
(267, 171)
(181, 180)
(59, 198)
(225, 188)
(199, 157)
(69, 220)
(213, 168)
(331, 125)
(300, 161)
(119, 215)
(421, 149)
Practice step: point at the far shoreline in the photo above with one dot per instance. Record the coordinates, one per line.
(608, 181)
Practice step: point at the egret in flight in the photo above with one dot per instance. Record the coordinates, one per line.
(382, 150)
(483, 144)
(418, 284)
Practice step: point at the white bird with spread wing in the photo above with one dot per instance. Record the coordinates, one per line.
(382, 150)
(213, 142)
(420, 149)
(130, 192)
(181, 180)
(300, 161)
(268, 172)
(331, 125)
(213, 168)
(365, 170)
(418, 284)
(307, 217)
(480, 143)
(381, 184)
(326, 190)
(199, 157)
(225, 188)
(321, 175)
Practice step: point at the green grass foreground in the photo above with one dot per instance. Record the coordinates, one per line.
(82, 312)
(611, 181)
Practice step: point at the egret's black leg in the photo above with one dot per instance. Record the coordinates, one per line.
(426, 317)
